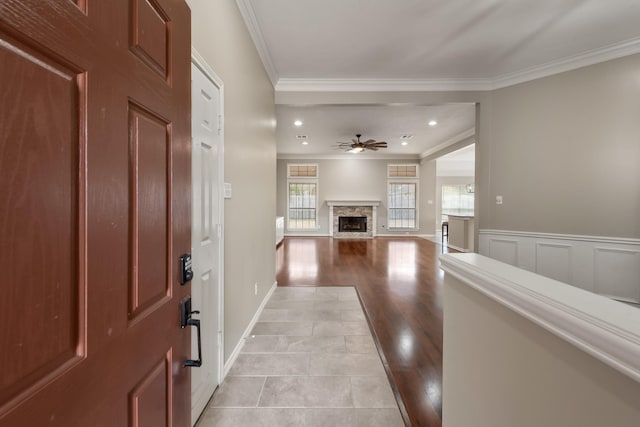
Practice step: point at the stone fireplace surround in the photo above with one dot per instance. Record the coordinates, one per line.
(366, 208)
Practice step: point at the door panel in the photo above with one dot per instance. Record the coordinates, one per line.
(150, 186)
(40, 252)
(153, 391)
(95, 182)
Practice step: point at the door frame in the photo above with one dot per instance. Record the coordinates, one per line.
(202, 65)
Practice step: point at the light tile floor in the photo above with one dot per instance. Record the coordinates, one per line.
(310, 361)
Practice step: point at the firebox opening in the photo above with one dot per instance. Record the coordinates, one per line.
(352, 224)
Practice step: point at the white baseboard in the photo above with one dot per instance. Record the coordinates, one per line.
(307, 235)
(424, 236)
(608, 266)
(238, 348)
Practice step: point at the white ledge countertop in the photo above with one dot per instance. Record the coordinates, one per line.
(606, 329)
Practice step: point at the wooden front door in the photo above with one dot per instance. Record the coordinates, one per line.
(95, 212)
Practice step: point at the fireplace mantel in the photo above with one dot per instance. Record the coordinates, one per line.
(341, 204)
(372, 203)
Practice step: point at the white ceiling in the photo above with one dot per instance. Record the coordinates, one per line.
(413, 44)
(457, 163)
(325, 125)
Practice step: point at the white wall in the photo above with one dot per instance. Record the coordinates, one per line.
(359, 179)
(220, 36)
(502, 370)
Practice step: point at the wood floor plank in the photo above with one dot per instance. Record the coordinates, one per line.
(400, 285)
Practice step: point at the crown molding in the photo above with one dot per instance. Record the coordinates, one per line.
(381, 85)
(614, 51)
(350, 156)
(453, 140)
(251, 22)
(591, 57)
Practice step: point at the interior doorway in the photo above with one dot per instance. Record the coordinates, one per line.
(455, 188)
(207, 229)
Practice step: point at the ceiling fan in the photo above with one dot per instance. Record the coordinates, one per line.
(357, 146)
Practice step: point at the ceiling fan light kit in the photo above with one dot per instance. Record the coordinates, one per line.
(357, 146)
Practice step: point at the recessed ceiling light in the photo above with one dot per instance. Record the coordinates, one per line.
(298, 123)
(305, 142)
(433, 123)
(404, 143)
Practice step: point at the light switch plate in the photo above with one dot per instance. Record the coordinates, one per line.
(498, 200)
(227, 190)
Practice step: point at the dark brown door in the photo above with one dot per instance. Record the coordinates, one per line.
(95, 212)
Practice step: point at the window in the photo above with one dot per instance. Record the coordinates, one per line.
(403, 170)
(402, 205)
(403, 197)
(310, 171)
(302, 190)
(457, 200)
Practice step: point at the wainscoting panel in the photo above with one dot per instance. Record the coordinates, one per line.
(503, 250)
(605, 265)
(554, 261)
(610, 270)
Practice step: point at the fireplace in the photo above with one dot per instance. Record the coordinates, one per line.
(352, 224)
(353, 219)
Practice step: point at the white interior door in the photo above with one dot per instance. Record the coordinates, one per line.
(206, 234)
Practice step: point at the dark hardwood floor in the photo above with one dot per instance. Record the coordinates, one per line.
(400, 286)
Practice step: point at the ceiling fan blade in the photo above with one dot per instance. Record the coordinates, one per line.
(369, 141)
(371, 148)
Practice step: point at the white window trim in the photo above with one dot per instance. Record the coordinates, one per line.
(403, 180)
(304, 180)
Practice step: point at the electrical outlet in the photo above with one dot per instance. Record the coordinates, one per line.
(255, 288)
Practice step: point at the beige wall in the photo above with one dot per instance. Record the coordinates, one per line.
(220, 36)
(501, 370)
(564, 152)
(428, 193)
(359, 179)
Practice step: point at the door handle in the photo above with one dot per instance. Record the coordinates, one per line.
(187, 320)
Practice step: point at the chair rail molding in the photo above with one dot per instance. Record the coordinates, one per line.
(608, 330)
(609, 266)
